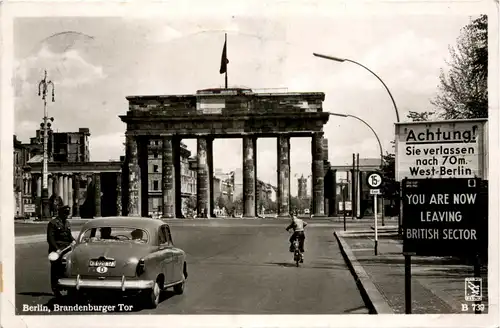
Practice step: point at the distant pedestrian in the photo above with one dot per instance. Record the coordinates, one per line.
(58, 237)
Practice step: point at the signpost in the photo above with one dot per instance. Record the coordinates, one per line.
(441, 150)
(29, 208)
(443, 218)
(374, 181)
(443, 170)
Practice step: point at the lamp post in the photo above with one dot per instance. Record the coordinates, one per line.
(376, 136)
(341, 60)
(43, 87)
(369, 126)
(343, 184)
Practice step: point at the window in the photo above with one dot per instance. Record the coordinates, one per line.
(155, 155)
(155, 168)
(166, 233)
(156, 204)
(114, 234)
(164, 237)
(155, 185)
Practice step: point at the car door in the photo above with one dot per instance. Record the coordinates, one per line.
(165, 253)
(176, 255)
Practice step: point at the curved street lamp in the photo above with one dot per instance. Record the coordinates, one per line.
(379, 144)
(369, 126)
(341, 60)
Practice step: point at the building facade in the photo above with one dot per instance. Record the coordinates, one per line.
(64, 147)
(155, 171)
(90, 189)
(302, 187)
(20, 159)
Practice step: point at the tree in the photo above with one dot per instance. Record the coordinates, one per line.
(390, 187)
(294, 203)
(191, 203)
(463, 90)
(235, 206)
(272, 207)
(419, 116)
(222, 202)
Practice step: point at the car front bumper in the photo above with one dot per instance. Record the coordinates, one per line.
(123, 284)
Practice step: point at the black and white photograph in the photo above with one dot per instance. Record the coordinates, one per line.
(258, 160)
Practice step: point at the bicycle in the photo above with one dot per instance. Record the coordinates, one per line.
(297, 255)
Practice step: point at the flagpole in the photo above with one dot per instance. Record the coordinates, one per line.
(225, 42)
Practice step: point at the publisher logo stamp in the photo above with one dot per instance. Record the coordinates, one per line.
(473, 289)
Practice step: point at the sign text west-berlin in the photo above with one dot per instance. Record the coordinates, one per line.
(439, 150)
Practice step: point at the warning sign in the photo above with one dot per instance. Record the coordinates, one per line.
(446, 149)
(444, 218)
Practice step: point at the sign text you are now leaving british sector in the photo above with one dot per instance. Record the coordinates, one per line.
(441, 150)
(444, 218)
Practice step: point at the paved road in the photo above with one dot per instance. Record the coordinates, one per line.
(26, 229)
(238, 268)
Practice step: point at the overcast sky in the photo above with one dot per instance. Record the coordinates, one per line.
(111, 58)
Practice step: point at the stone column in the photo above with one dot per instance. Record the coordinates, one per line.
(168, 178)
(66, 189)
(53, 185)
(97, 188)
(210, 163)
(39, 186)
(119, 194)
(318, 175)
(176, 149)
(283, 175)
(202, 185)
(76, 206)
(50, 183)
(134, 178)
(249, 178)
(257, 192)
(70, 194)
(334, 205)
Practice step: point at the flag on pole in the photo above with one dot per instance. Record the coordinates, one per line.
(224, 61)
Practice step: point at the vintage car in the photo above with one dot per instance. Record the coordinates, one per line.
(127, 255)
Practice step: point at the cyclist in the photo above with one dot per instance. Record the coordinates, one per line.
(298, 226)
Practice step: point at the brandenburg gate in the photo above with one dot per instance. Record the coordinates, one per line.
(220, 113)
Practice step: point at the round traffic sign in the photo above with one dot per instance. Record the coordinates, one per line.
(374, 180)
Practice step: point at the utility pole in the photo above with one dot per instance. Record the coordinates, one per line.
(358, 188)
(43, 86)
(354, 187)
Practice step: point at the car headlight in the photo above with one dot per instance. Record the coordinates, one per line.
(141, 266)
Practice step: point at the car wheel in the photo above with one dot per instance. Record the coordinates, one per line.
(74, 296)
(179, 288)
(153, 297)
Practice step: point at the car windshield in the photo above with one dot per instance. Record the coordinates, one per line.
(114, 235)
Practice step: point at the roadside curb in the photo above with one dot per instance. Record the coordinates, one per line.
(369, 292)
(23, 240)
(72, 220)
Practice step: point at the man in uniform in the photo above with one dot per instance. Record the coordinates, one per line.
(58, 237)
